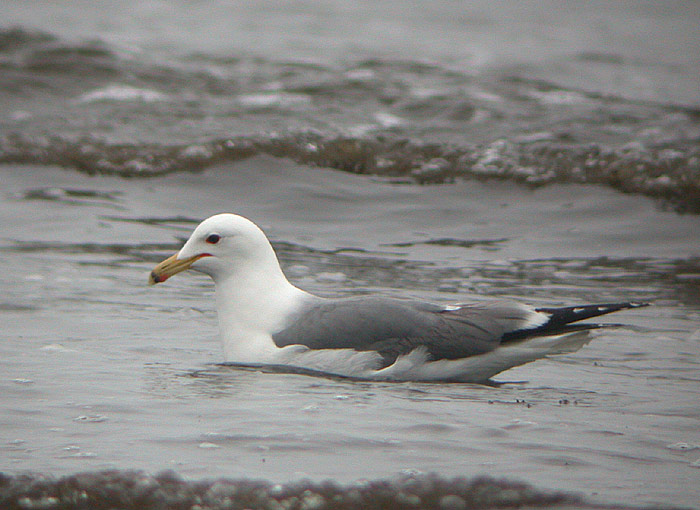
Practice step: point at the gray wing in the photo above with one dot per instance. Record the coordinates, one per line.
(393, 327)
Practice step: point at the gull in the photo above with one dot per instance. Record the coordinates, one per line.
(264, 320)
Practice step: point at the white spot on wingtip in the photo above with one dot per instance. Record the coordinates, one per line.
(578, 310)
(535, 320)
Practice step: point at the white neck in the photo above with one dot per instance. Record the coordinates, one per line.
(253, 303)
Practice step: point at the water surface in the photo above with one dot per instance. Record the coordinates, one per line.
(541, 151)
(102, 371)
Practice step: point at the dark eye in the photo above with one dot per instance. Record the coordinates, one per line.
(213, 238)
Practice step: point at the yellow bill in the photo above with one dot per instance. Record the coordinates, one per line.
(170, 267)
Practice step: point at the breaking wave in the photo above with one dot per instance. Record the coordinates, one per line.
(665, 173)
(99, 109)
(130, 489)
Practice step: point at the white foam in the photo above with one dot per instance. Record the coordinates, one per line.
(122, 93)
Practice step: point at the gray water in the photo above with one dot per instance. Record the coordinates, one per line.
(101, 371)
(121, 128)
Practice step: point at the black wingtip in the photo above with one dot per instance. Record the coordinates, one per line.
(566, 315)
(566, 319)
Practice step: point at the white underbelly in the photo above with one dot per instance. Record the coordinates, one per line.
(415, 366)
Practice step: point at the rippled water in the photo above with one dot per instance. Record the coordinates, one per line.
(449, 94)
(101, 371)
(542, 153)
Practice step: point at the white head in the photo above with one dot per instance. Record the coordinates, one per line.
(222, 246)
(253, 296)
